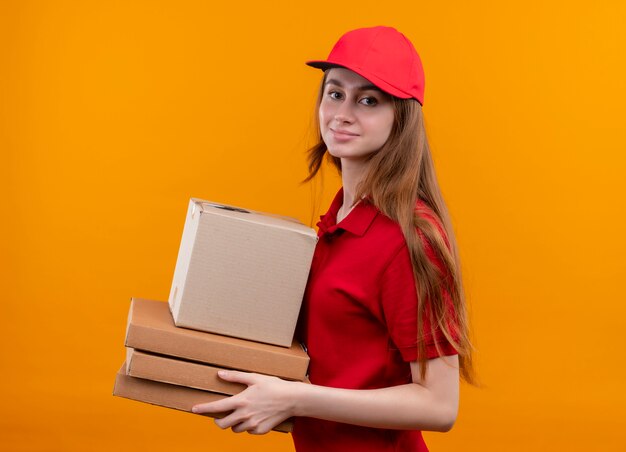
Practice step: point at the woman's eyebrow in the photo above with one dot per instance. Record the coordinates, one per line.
(368, 87)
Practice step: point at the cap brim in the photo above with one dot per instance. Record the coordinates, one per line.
(320, 64)
(384, 86)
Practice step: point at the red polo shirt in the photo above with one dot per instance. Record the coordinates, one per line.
(359, 323)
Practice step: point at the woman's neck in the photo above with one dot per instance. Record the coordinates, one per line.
(351, 174)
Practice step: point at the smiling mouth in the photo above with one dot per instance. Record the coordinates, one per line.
(344, 133)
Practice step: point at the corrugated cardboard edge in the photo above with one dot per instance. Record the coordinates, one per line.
(176, 371)
(228, 352)
(171, 396)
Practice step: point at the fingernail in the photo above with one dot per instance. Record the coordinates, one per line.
(194, 409)
(222, 373)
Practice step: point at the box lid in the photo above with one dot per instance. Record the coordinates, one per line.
(237, 213)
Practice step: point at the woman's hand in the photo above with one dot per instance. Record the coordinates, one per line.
(258, 409)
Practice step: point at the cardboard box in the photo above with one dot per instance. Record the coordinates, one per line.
(151, 328)
(170, 396)
(178, 372)
(241, 273)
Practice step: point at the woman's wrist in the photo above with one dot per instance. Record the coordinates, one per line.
(295, 393)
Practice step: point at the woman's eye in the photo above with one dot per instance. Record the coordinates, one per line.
(369, 101)
(335, 95)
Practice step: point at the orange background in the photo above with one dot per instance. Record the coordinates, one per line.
(113, 114)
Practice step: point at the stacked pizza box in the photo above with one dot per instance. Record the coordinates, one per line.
(234, 303)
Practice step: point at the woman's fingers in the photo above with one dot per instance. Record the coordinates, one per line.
(232, 420)
(238, 428)
(220, 406)
(229, 403)
(238, 423)
(252, 427)
(235, 376)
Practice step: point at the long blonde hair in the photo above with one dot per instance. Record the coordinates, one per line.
(399, 174)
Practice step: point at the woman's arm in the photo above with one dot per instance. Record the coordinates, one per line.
(429, 404)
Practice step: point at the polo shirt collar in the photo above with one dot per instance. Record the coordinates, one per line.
(357, 222)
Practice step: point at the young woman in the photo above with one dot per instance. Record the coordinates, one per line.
(383, 316)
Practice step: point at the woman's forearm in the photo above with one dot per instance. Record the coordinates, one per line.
(409, 406)
(428, 404)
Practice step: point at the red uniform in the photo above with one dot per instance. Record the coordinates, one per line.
(359, 323)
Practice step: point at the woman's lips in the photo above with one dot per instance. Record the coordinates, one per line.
(343, 135)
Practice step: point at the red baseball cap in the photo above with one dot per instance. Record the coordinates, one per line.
(382, 55)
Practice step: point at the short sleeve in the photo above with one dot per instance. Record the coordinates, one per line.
(399, 305)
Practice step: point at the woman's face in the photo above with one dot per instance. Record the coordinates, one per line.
(355, 116)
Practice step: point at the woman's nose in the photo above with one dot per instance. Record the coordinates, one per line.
(344, 113)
